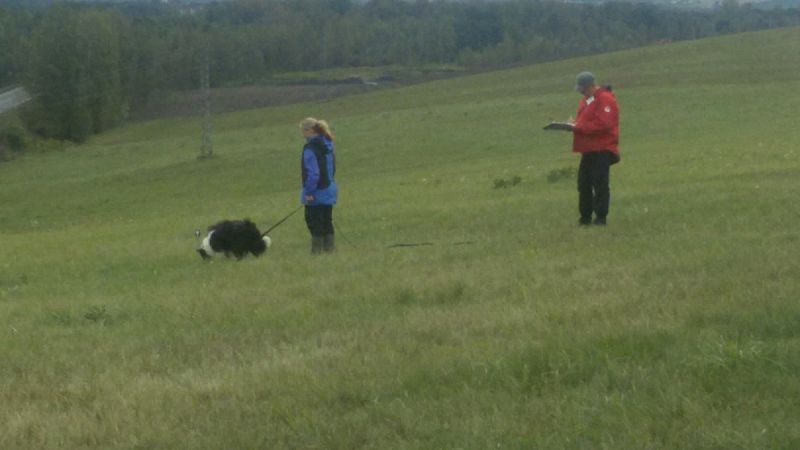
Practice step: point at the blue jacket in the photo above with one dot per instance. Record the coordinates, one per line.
(318, 166)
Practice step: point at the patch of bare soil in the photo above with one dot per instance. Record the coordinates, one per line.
(190, 103)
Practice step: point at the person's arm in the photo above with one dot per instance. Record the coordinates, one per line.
(604, 118)
(312, 175)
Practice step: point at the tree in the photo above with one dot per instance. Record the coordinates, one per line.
(75, 73)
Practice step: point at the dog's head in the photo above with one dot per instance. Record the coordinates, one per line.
(258, 247)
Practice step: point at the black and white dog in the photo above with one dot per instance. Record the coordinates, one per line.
(233, 237)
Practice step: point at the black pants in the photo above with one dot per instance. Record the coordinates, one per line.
(319, 219)
(593, 177)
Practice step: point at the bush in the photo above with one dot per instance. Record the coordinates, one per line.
(14, 138)
(507, 183)
(565, 173)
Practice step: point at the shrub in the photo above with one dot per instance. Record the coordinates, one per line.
(14, 138)
(561, 174)
(506, 183)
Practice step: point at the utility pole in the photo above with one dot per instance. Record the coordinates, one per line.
(323, 56)
(206, 144)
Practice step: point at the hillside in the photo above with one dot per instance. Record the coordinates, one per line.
(674, 327)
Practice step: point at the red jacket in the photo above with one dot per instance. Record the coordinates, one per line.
(597, 125)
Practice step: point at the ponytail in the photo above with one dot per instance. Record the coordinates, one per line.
(317, 126)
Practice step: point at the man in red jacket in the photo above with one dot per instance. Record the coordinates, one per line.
(595, 134)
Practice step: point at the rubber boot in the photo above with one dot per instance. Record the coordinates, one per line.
(317, 245)
(328, 243)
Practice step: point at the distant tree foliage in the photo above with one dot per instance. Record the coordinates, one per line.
(15, 30)
(86, 62)
(75, 71)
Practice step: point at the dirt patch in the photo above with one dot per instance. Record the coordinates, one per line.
(290, 88)
(190, 103)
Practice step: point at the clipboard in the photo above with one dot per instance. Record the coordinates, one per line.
(563, 126)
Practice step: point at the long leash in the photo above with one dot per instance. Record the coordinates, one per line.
(401, 244)
(340, 234)
(338, 228)
(281, 221)
(425, 244)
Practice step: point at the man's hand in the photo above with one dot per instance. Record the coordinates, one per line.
(309, 198)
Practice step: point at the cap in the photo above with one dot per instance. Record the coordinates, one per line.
(584, 80)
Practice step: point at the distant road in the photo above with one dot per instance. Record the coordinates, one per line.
(13, 98)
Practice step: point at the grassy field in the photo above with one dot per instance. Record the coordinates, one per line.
(677, 326)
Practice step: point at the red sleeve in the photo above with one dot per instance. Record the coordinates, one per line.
(603, 118)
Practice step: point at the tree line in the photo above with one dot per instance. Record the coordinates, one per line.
(88, 63)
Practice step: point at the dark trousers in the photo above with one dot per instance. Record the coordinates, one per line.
(319, 219)
(593, 177)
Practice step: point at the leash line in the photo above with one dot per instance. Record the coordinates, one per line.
(281, 221)
(337, 227)
(338, 231)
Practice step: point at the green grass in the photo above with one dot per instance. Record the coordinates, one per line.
(677, 326)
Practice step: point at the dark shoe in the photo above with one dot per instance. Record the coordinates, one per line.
(328, 243)
(585, 221)
(317, 244)
(600, 221)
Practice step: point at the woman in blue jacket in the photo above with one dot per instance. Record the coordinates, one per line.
(319, 192)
